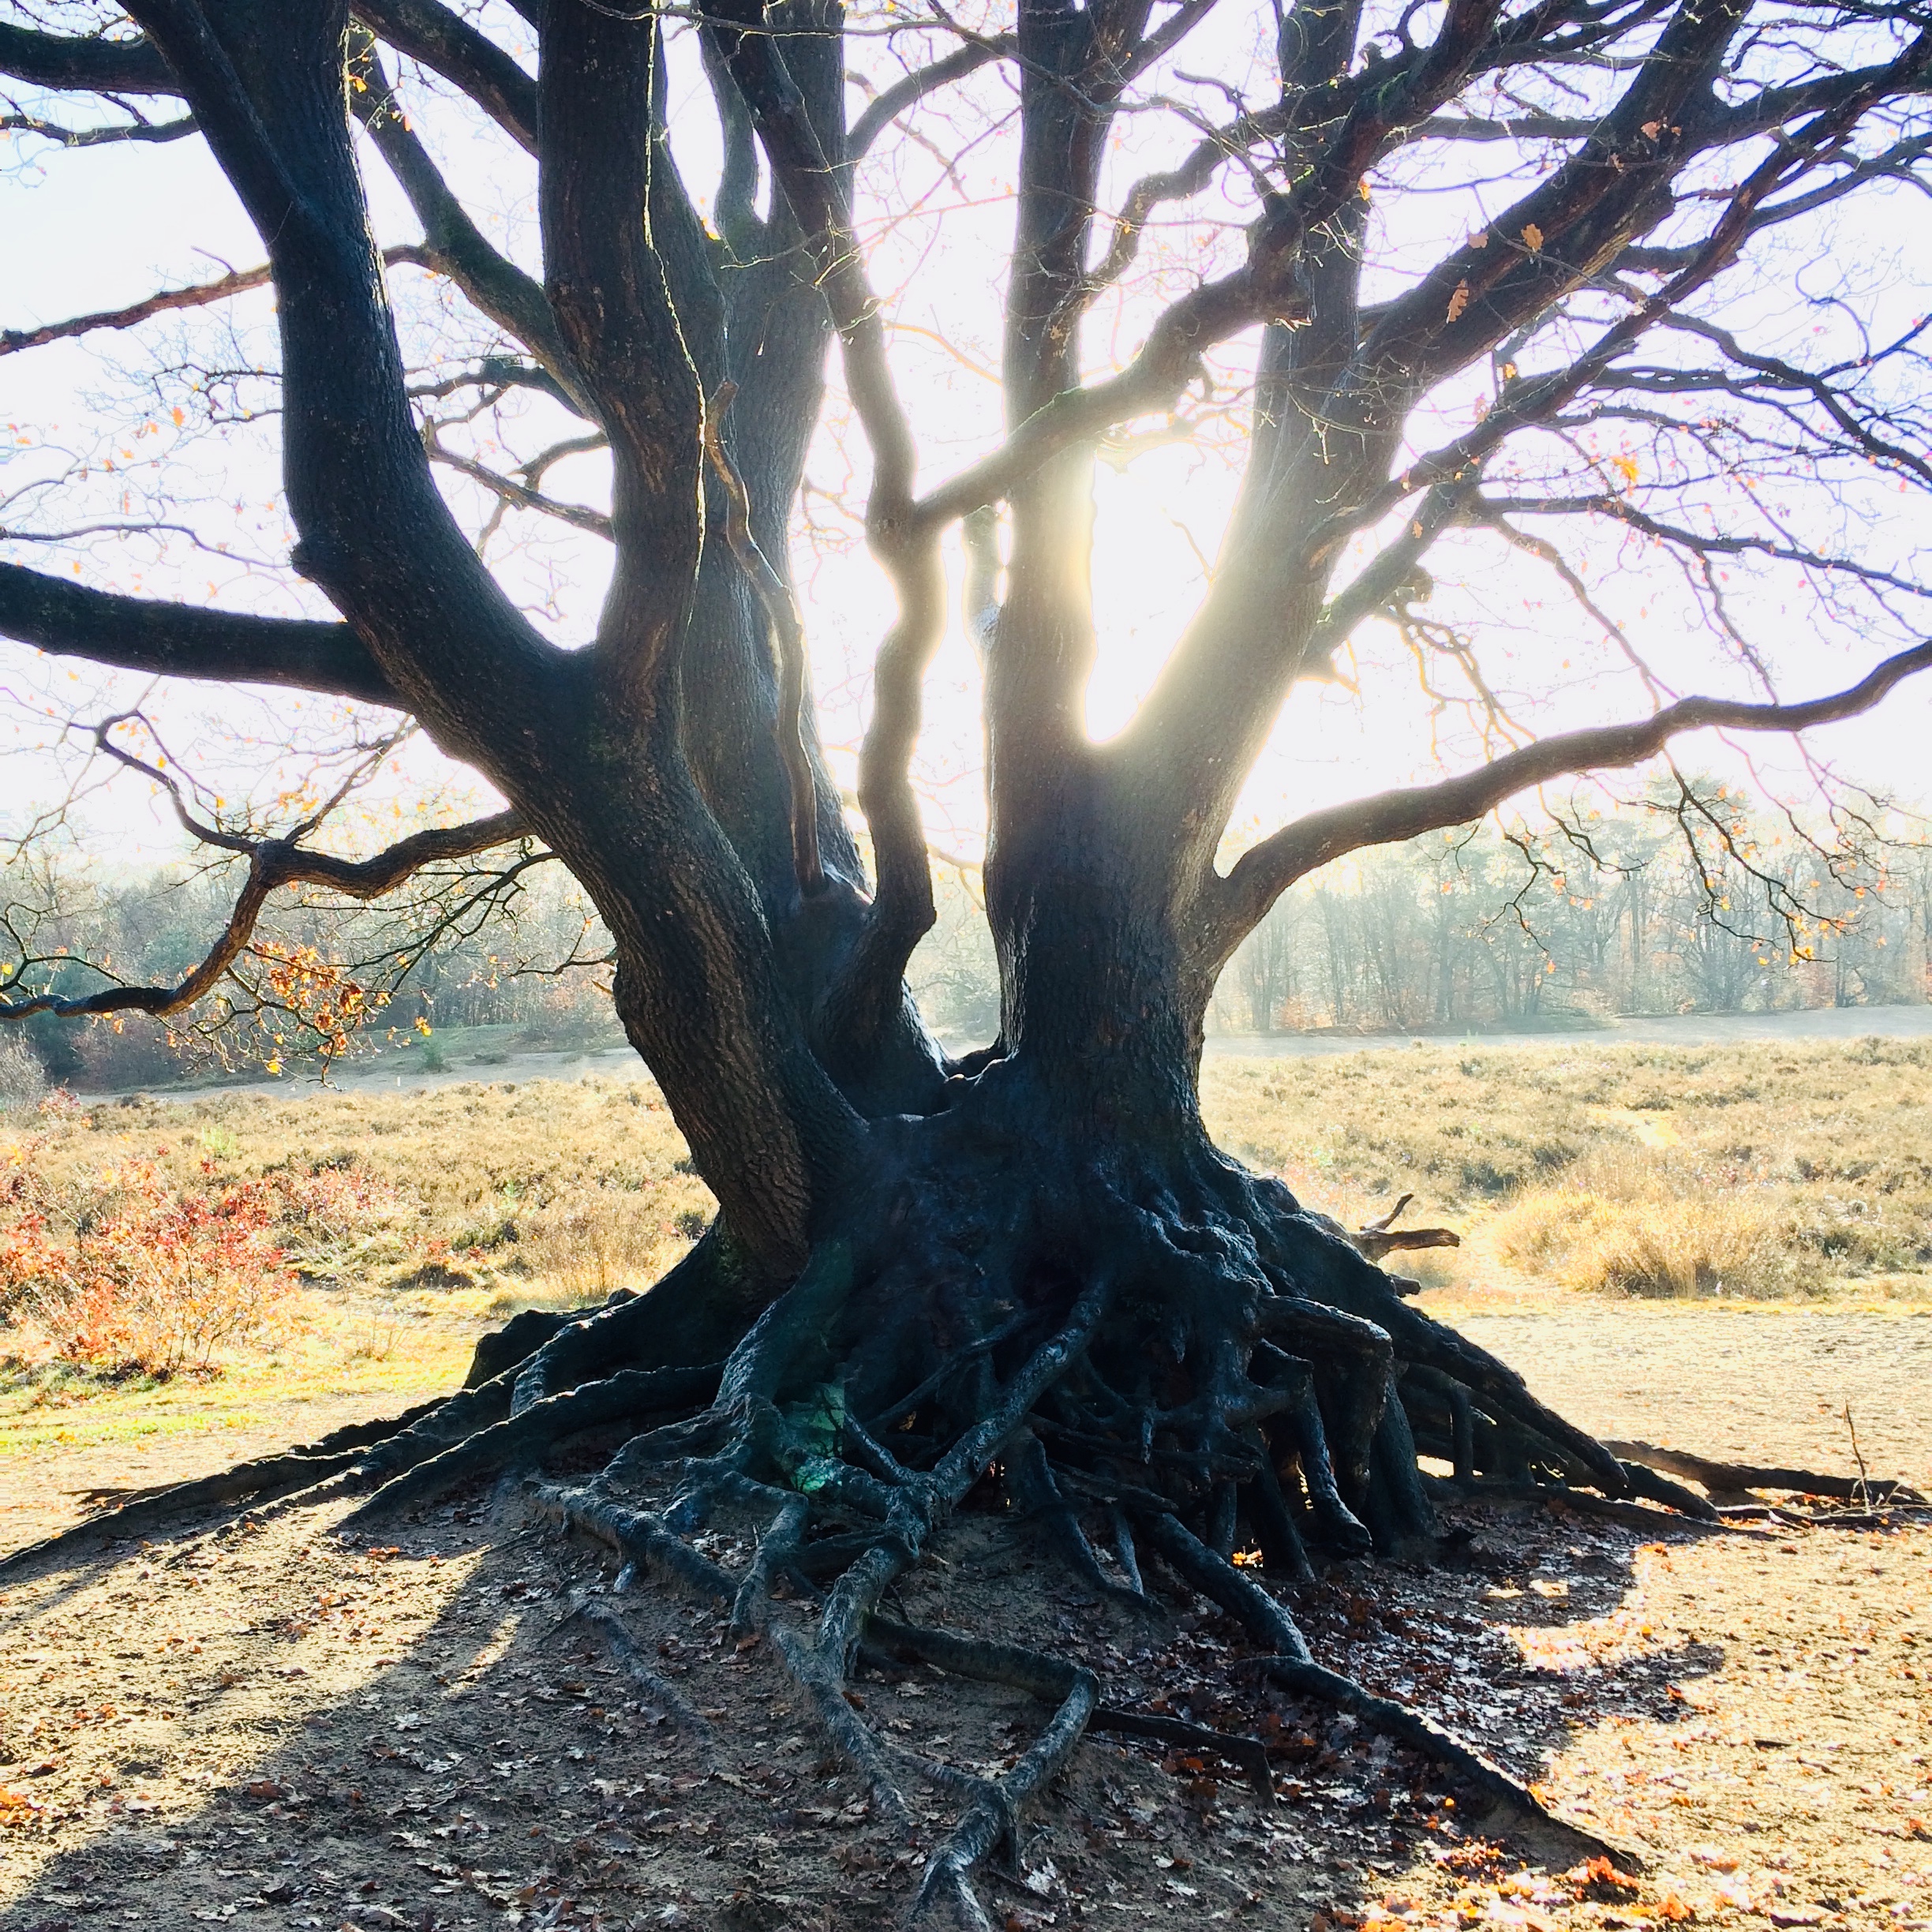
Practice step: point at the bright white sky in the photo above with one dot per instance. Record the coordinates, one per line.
(93, 229)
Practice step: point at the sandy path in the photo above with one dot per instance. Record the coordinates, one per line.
(1767, 1385)
(269, 1725)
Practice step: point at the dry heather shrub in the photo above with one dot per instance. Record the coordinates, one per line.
(1631, 1220)
(127, 1272)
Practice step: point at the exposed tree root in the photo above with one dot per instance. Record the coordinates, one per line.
(1729, 1480)
(265, 1480)
(676, 1707)
(1133, 1356)
(992, 1818)
(525, 1434)
(1702, 1521)
(1051, 1678)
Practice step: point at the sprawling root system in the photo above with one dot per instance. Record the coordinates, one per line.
(1176, 1380)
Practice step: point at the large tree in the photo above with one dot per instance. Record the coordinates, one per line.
(1033, 1258)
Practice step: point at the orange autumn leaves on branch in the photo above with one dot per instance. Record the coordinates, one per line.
(314, 995)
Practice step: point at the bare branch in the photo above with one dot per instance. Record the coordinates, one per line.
(519, 495)
(1193, 174)
(911, 89)
(176, 640)
(199, 295)
(274, 863)
(1539, 398)
(1262, 290)
(1620, 509)
(1266, 870)
(109, 136)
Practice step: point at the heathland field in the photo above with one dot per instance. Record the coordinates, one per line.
(166, 1235)
(207, 1262)
(1760, 1171)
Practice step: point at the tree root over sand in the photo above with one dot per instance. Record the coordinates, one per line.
(1171, 1377)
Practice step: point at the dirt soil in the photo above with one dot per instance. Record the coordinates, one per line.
(264, 1722)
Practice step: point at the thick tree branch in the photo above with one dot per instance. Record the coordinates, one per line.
(1568, 227)
(178, 640)
(447, 44)
(69, 64)
(1156, 46)
(1266, 870)
(231, 120)
(787, 631)
(608, 228)
(1511, 128)
(814, 187)
(593, 756)
(374, 532)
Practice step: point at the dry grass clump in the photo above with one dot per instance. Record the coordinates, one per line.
(1757, 1170)
(470, 1200)
(1625, 1220)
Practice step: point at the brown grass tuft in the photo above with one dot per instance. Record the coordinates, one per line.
(1755, 1171)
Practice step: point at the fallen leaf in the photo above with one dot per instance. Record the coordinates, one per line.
(1043, 1881)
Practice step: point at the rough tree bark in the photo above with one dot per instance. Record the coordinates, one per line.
(1033, 1262)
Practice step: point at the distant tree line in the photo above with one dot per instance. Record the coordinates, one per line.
(1694, 904)
(1624, 916)
(1640, 912)
(317, 979)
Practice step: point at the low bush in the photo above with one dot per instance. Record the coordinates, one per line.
(128, 1272)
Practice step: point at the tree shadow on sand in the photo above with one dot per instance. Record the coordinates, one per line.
(543, 1751)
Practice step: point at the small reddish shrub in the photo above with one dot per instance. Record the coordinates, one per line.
(128, 1272)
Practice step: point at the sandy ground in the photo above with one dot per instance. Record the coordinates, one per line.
(265, 1722)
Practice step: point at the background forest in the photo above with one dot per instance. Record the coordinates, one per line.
(1651, 908)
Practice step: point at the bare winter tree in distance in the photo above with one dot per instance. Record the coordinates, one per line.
(1507, 287)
